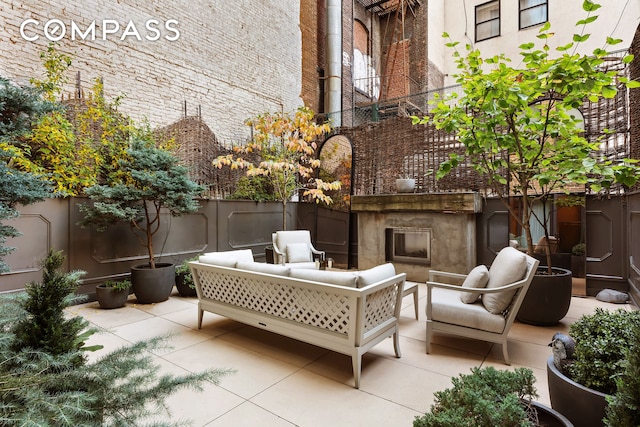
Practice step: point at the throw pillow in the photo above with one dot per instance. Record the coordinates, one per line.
(509, 266)
(478, 277)
(298, 252)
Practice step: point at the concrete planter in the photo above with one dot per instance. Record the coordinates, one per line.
(548, 298)
(153, 284)
(582, 406)
(405, 185)
(109, 297)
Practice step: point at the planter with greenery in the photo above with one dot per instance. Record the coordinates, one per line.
(490, 397)
(47, 379)
(113, 293)
(520, 127)
(184, 280)
(592, 364)
(151, 181)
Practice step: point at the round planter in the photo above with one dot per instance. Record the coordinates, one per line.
(582, 406)
(110, 298)
(549, 417)
(153, 284)
(405, 185)
(183, 289)
(548, 298)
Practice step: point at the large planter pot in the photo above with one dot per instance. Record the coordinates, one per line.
(583, 406)
(549, 417)
(184, 289)
(548, 298)
(109, 297)
(153, 284)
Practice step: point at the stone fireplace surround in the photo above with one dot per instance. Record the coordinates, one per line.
(450, 216)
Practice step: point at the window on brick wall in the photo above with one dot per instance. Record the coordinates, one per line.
(533, 12)
(365, 78)
(487, 20)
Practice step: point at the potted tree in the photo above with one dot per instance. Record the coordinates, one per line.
(113, 293)
(490, 397)
(521, 129)
(150, 180)
(587, 367)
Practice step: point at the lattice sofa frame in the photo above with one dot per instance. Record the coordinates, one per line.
(347, 320)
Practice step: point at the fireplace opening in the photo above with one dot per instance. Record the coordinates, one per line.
(408, 245)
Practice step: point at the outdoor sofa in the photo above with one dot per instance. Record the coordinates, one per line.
(344, 311)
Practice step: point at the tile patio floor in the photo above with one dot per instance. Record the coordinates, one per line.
(281, 382)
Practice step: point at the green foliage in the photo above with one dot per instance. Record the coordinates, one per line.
(485, 398)
(118, 285)
(45, 327)
(519, 126)
(624, 405)
(184, 270)
(601, 342)
(256, 188)
(152, 179)
(44, 383)
(53, 148)
(18, 107)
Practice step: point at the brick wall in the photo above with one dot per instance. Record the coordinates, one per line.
(234, 59)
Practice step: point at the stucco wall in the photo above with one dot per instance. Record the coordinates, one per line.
(618, 19)
(234, 59)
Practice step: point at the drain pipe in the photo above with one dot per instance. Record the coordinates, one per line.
(333, 89)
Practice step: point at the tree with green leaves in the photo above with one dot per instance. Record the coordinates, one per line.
(151, 179)
(518, 125)
(46, 380)
(19, 107)
(287, 145)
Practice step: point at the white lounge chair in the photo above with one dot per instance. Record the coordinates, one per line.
(486, 304)
(294, 246)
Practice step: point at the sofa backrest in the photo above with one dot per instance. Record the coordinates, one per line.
(227, 258)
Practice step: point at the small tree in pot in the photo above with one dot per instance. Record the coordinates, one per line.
(151, 180)
(520, 127)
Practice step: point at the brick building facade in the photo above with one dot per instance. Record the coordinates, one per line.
(230, 60)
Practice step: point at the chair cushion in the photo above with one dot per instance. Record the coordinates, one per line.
(447, 307)
(509, 266)
(340, 278)
(478, 277)
(375, 274)
(261, 267)
(227, 258)
(298, 252)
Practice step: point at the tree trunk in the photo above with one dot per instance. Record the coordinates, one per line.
(284, 214)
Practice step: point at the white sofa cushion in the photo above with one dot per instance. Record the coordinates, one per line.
(375, 274)
(478, 277)
(298, 252)
(341, 278)
(509, 266)
(261, 267)
(227, 258)
(448, 308)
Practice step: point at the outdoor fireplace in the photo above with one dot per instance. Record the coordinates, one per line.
(409, 245)
(417, 232)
